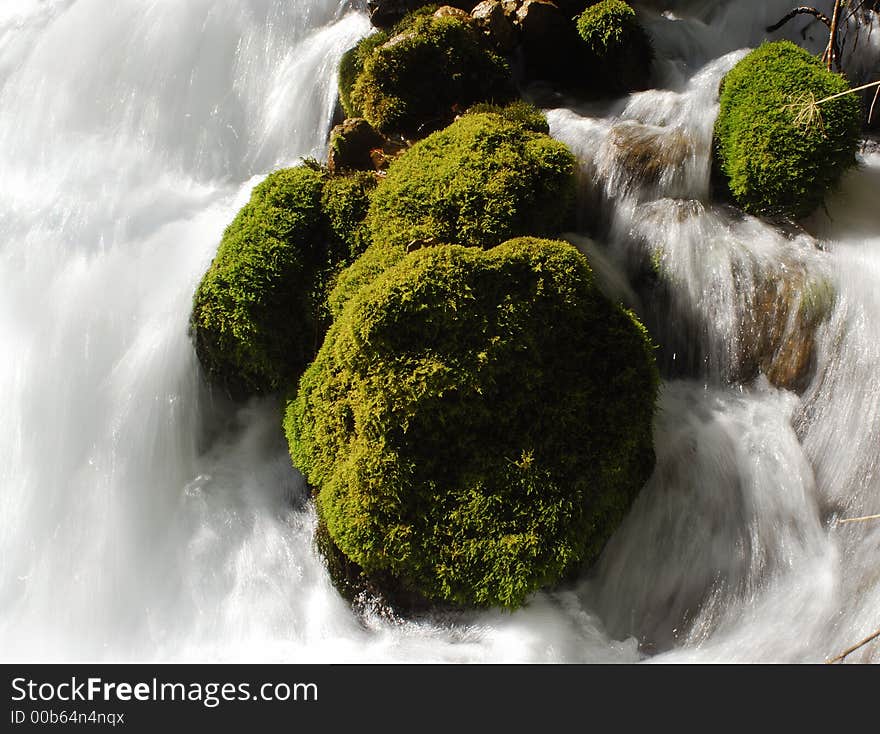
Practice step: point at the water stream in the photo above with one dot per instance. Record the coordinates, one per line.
(144, 519)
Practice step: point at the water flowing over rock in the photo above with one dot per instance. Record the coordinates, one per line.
(145, 519)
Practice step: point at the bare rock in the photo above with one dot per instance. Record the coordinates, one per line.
(356, 146)
(492, 20)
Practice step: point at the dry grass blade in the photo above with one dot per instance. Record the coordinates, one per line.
(858, 519)
(807, 114)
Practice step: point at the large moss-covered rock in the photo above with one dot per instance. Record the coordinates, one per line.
(488, 177)
(476, 423)
(620, 52)
(429, 69)
(482, 180)
(259, 311)
(253, 317)
(779, 150)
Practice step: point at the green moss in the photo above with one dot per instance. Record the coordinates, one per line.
(778, 159)
(480, 181)
(375, 261)
(253, 315)
(428, 70)
(520, 112)
(260, 310)
(477, 422)
(351, 65)
(345, 203)
(620, 50)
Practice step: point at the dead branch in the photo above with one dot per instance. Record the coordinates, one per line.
(871, 112)
(831, 23)
(855, 647)
(832, 53)
(802, 10)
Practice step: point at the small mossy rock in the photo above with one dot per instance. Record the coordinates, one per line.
(620, 50)
(254, 312)
(482, 180)
(351, 144)
(428, 71)
(779, 151)
(477, 423)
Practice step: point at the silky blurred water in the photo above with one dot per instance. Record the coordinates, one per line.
(143, 519)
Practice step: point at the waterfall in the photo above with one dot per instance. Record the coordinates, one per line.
(143, 518)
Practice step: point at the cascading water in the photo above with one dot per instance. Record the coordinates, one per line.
(142, 519)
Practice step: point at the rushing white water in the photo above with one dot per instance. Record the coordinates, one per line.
(141, 520)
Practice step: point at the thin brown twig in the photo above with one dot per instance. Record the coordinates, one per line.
(832, 55)
(855, 647)
(802, 10)
(871, 112)
(858, 519)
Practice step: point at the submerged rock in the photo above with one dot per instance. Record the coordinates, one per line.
(778, 332)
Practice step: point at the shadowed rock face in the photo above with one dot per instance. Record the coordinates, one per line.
(385, 13)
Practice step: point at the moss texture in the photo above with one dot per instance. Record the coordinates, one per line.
(351, 65)
(477, 422)
(486, 178)
(779, 159)
(519, 112)
(259, 312)
(427, 71)
(619, 49)
(479, 182)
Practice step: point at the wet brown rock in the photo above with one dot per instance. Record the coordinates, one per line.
(778, 335)
(356, 146)
(492, 20)
(448, 11)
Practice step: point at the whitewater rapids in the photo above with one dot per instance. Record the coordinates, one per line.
(142, 519)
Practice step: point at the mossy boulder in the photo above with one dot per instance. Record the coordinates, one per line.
(779, 150)
(427, 71)
(479, 182)
(486, 178)
(477, 422)
(351, 65)
(345, 202)
(259, 311)
(620, 51)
